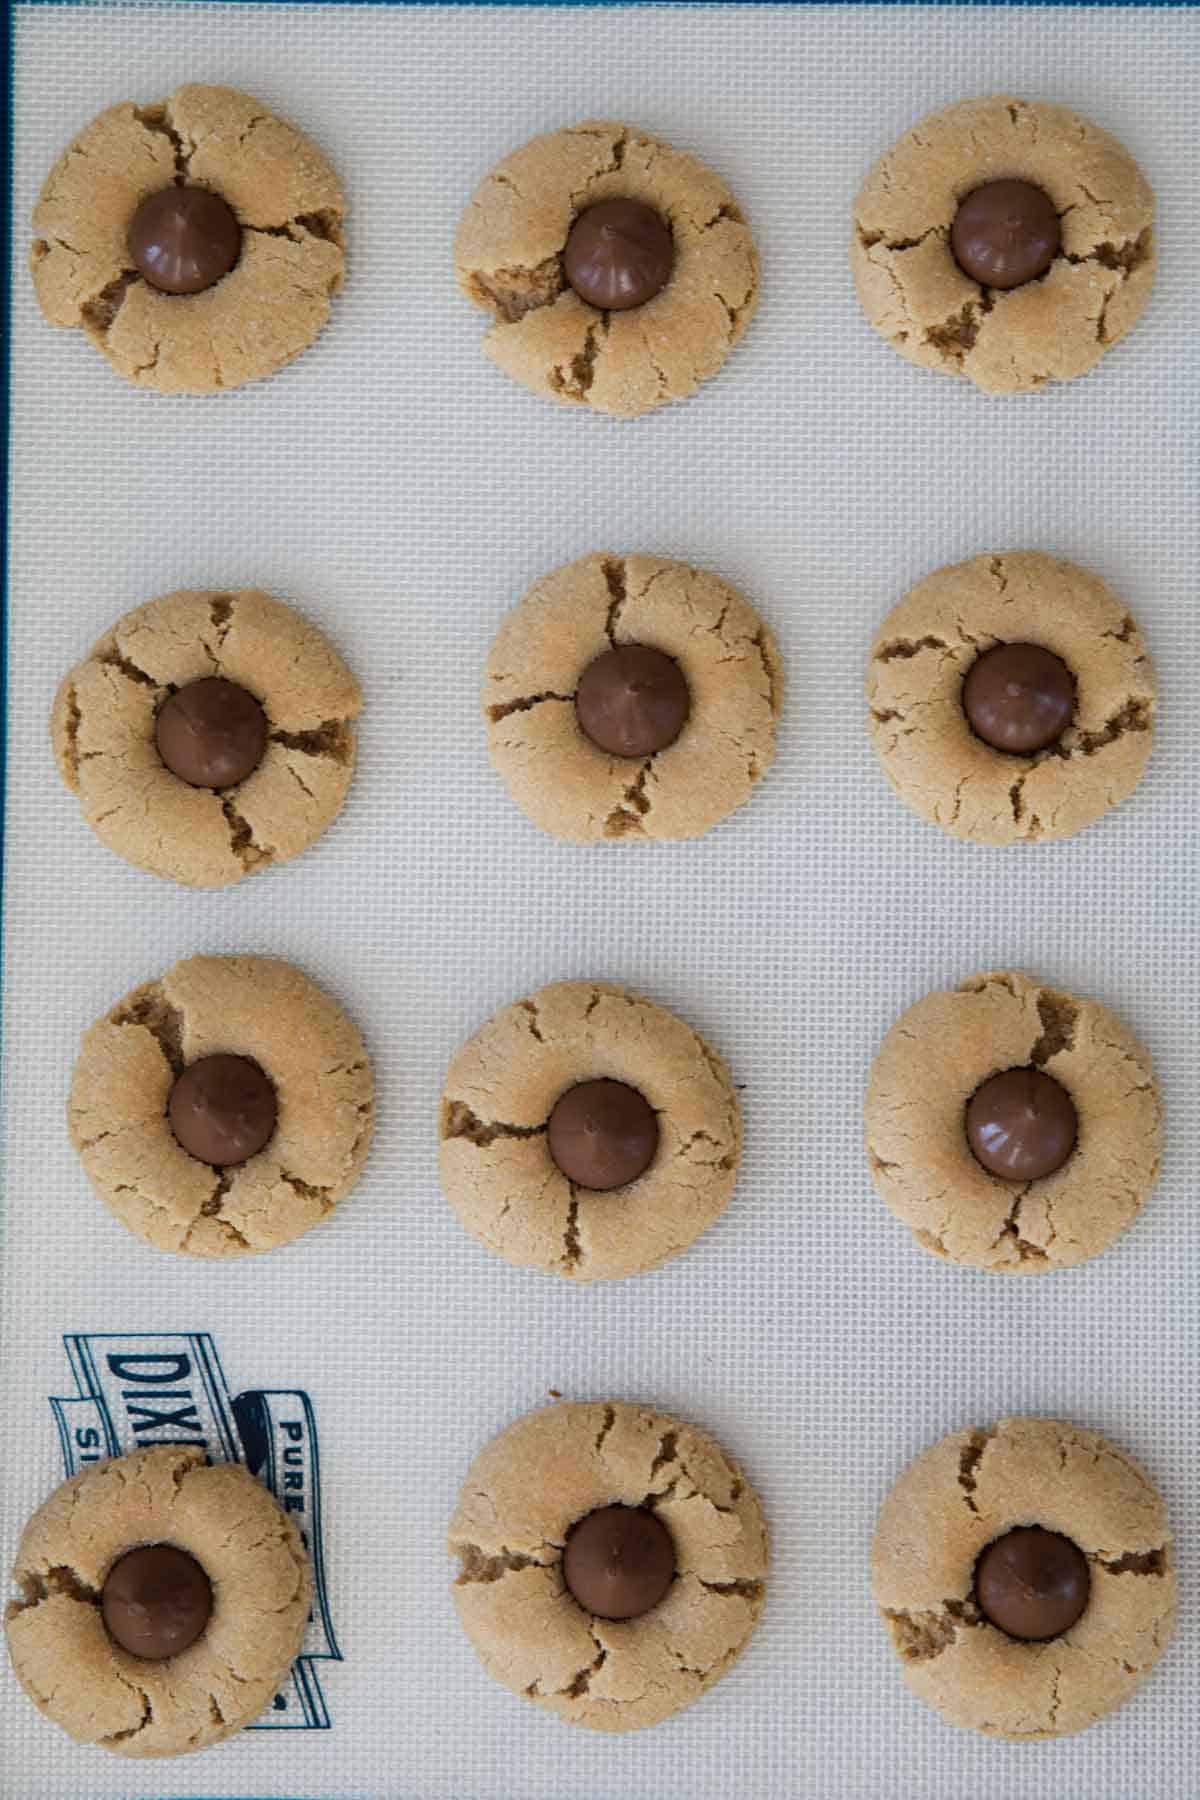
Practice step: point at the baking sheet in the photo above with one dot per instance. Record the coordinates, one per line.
(403, 494)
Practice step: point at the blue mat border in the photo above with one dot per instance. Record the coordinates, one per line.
(674, 5)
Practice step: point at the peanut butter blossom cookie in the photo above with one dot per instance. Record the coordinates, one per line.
(162, 1602)
(224, 1109)
(1006, 240)
(1025, 1577)
(613, 1562)
(1011, 698)
(208, 735)
(1013, 1127)
(196, 241)
(631, 697)
(619, 272)
(588, 1132)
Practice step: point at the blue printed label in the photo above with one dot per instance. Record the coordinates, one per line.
(134, 1389)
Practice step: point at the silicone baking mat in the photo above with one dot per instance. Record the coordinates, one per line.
(403, 494)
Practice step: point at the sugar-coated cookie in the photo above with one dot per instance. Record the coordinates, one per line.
(1063, 213)
(517, 254)
(962, 1542)
(679, 1573)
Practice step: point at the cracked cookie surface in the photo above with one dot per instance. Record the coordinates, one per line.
(253, 1556)
(931, 1062)
(1051, 329)
(250, 1006)
(497, 1171)
(564, 782)
(929, 753)
(968, 1490)
(271, 305)
(103, 733)
(508, 258)
(522, 1495)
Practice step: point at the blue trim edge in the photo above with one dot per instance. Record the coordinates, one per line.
(7, 248)
(673, 5)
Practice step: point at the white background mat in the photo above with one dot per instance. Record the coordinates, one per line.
(404, 494)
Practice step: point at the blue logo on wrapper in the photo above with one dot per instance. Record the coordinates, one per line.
(141, 1388)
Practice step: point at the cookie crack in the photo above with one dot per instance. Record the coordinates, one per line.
(1016, 799)
(667, 1452)
(116, 659)
(749, 1590)
(1059, 1016)
(529, 1007)
(158, 120)
(1026, 1251)
(300, 782)
(869, 239)
(609, 1420)
(71, 724)
(627, 816)
(151, 1009)
(958, 794)
(511, 292)
(897, 648)
(957, 334)
(147, 1718)
(572, 1248)
(1145, 1562)
(60, 1578)
(41, 247)
(616, 581)
(220, 612)
(575, 381)
(1052, 1717)
(320, 225)
(213, 1204)
(480, 1569)
(144, 368)
(968, 1465)
(583, 1678)
(921, 1636)
(306, 1191)
(616, 161)
(1122, 258)
(333, 738)
(1133, 716)
(223, 1225)
(724, 1161)
(458, 1121)
(525, 704)
(241, 837)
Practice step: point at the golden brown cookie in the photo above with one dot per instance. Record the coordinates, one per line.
(524, 1493)
(252, 1007)
(103, 733)
(1050, 329)
(968, 1491)
(251, 1552)
(497, 1170)
(265, 311)
(937, 1055)
(561, 779)
(927, 646)
(509, 261)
